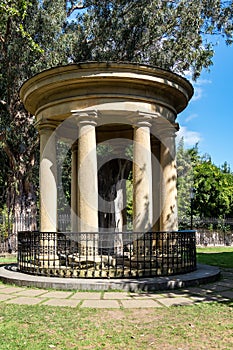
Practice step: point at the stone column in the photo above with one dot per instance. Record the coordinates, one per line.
(169, 216)
(48, 178)
(142, 177)
(156, 179)
(156, 183)
(87, 192)
(74, 188)
(47, 254)
(142, 186)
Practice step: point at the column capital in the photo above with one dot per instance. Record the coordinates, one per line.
(44, 125)
(167, 130)
(143, 119)
(86, 117)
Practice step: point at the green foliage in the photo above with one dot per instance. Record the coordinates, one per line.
(213, 196)
(213, 186)
(129, 204)
(222, 226)
(30, 32)
(186, 161)
(168, 34)
(5, 223)
(63, 176)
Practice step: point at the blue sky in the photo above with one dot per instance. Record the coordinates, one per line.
(208, 119)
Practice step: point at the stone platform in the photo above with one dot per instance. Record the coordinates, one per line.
(203, 274)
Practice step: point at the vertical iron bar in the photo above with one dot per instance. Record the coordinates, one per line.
(131, 240)
(94, 255)
(150, 251)
(144, 252)
(123, 255)
(86, 234)
(138, 254)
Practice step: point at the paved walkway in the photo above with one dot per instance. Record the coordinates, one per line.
(221, 290)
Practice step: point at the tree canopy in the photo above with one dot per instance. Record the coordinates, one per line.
(174, 35)
(28, 44)
(214, 189)
(213, 185)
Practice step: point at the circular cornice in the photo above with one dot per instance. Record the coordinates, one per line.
(105, 80)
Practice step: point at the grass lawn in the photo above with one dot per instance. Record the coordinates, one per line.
(217, 256)
(8, 260)
(201, 326)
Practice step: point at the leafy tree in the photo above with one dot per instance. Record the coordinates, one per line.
(187, 159)
(31, 39)
(225, 168)
(12, 123)
(213, 185)
(214, 188)
(174, 34)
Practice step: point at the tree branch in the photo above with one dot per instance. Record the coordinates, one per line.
(79, 6)
(2, 39)
(10, 155)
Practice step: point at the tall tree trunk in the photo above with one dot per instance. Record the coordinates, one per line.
(112, 178)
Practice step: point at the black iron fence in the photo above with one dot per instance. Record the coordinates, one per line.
(106, 255)
(209, 231)
(216, 224)
(206, 237)
(9, 227)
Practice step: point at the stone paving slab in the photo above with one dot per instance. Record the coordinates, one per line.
(221, 291)
(208, 299)
(200, 298)
(171, 295)
(32, 292)
(226, 283)
(227, 294)
(2, 286)
(200, 290)
(176, 301)
(142, 296)
(227, 272)
(62, 302)
(113, 299)
(215, 287)
(9, 290)
(83, 295)
(58, 294)
(101, 304)
(116, 295)
(24, 301)
(135, 304)
(4, 297)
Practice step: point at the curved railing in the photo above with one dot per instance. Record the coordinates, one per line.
(106, 255)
